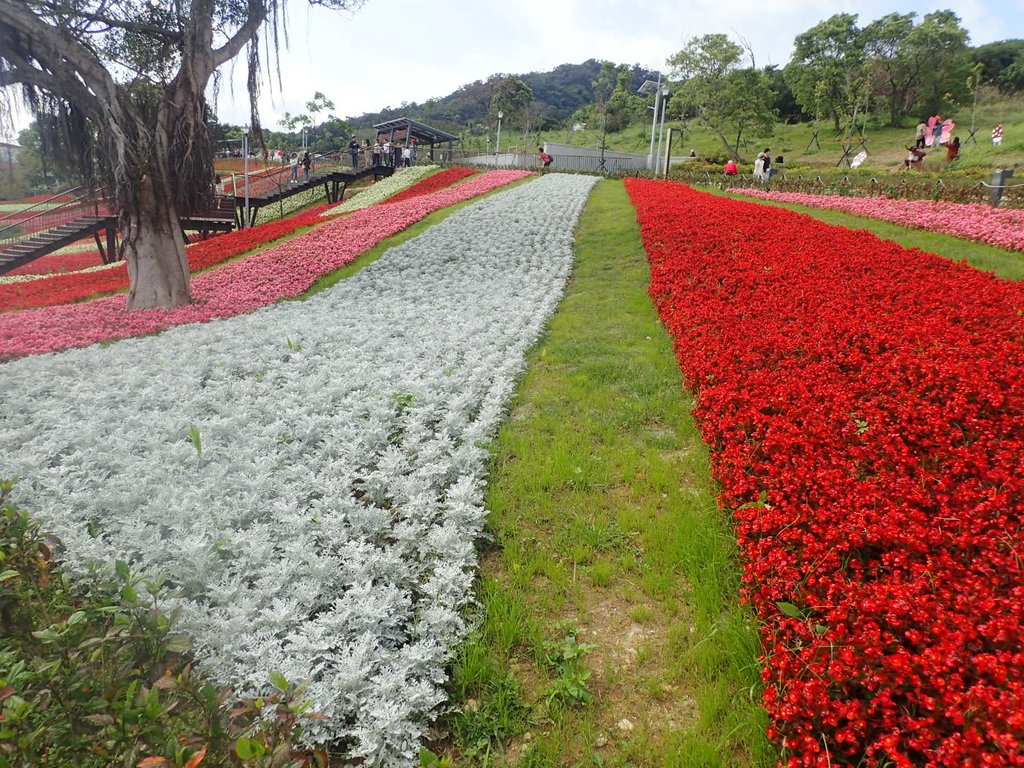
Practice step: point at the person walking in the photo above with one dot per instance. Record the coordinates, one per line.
(937, 132)
(919, 134)
(765, 160)
(353, 151)
(412, 151)
(307, 162)
(377, 149)
(294, 178)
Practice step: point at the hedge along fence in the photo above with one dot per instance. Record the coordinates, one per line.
(899, 186)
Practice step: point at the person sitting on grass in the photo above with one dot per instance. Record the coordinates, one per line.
(915, 158)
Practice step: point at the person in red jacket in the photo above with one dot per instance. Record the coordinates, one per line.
(952, 149)
(730, 169)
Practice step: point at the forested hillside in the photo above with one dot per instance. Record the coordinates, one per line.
(556, 94)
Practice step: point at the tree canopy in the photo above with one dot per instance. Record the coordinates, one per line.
(825, 69)
(728, 98)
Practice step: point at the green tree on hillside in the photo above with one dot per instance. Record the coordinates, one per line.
(1011, 79)
(727, 98)
(512, 97)
(826, 68)
(923, 67)
(996, 58)
(615, 101)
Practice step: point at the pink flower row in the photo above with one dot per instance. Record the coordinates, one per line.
(283, 271)
(1001, 227)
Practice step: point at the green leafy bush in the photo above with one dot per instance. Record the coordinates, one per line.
(93, 676)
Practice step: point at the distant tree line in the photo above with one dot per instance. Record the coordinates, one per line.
(898, 66)
(894, 66)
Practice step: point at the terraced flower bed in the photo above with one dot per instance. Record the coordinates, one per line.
(434, 182)
(279, 272)
(50, 290)
(864, 405)
(311, 484)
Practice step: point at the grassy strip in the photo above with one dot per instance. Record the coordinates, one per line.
(1006, 264)
(611, 632)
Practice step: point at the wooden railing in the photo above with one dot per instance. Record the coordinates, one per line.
(87, 202)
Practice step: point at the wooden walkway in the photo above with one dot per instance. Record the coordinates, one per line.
(334, 182)
(43, 243)
(228, 213)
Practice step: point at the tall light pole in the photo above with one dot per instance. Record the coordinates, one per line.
(245, 174)
(497, 143)
(663, 92)
(649, 87)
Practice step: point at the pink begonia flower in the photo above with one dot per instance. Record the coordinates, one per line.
(1001, 227)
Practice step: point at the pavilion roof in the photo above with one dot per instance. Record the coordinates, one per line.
(423, 133)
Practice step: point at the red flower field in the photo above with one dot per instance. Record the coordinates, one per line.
(432, 183)
(864, 405)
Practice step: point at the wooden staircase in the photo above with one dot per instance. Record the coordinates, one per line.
(29, 249)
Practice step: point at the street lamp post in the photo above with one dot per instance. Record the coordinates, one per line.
(649, 87)
(663, 92)
(245, 174)
(497, 143)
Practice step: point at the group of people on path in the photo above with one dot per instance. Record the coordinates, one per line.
(763, 165)
(924, 132)
(386, 153)
(931, 134)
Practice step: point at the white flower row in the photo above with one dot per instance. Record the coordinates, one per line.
(400, 180)
(327, 527)
(30, 278)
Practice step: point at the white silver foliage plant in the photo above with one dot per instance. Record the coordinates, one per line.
(379, 191)
(309, 477)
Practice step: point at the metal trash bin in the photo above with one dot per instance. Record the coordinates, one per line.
(1000, 179)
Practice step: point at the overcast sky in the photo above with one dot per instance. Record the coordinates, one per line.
(384, 54)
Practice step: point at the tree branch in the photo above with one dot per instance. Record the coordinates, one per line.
(230, 49)
(129, 26)
(59, 52)
(25, 73)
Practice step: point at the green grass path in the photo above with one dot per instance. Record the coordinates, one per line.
(611, 631)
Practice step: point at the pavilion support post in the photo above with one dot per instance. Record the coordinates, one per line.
(111, 242)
